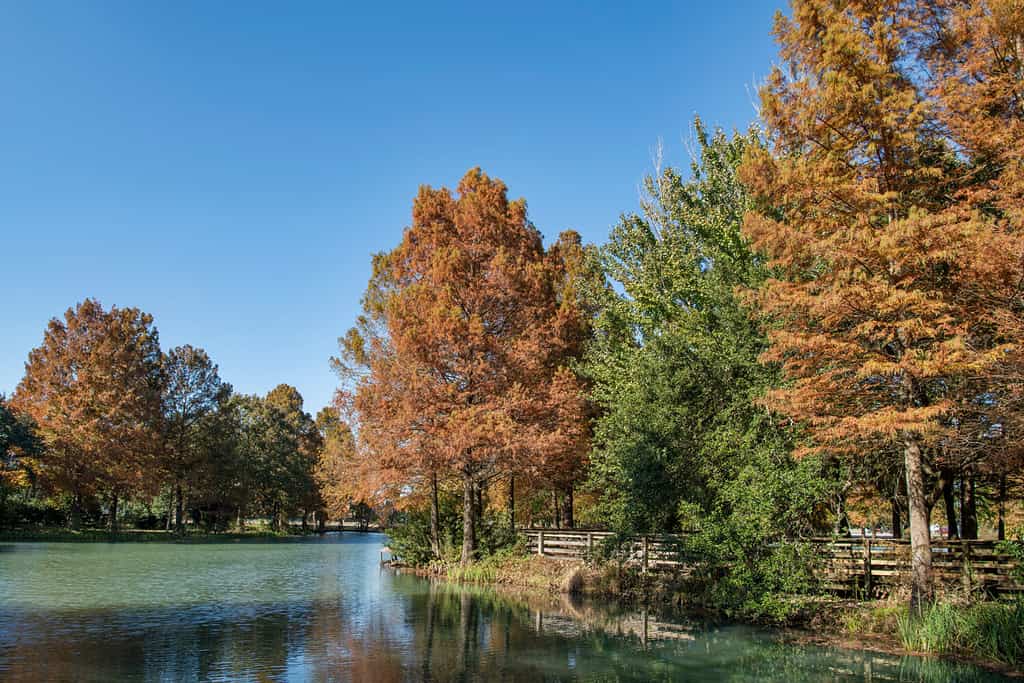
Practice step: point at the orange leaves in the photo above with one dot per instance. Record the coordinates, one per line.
(466, 377)
(93, 387)
(892, 288)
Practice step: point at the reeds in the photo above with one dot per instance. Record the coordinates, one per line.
(992, 630)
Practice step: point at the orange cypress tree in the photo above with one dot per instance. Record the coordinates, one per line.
(94, 388)
(468, 378)
(335, 468)
(872, 328)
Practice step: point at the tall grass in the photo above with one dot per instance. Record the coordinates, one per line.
(511, 566)
(991, 630)
(480, 572)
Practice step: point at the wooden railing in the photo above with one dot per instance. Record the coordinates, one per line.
(864, 564)
(877, 564)
(647, 552)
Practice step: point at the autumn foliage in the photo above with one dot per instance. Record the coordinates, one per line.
(467, 379)
(93, 388)
(884, 206)
(103, 418)
(843, 281)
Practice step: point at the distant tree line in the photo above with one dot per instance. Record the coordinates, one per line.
(104, 418)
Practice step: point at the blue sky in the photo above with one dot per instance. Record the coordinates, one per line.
(230, 167)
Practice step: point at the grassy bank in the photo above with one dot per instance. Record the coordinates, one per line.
(60, 535)
(518, 570)
(986, 633)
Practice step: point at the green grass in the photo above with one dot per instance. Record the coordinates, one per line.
(993, 631)
(480, 572)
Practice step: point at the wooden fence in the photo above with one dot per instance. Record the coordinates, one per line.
(866, 565)
(876, 565)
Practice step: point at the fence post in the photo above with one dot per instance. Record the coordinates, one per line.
(590, 543)
(643, 566)
(867, 563)
(540, 542)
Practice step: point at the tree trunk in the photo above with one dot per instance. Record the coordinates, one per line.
(512, 503)
(1001, 531)
(842, 519)
(75, 518)
(570, 521)
(947, 496)
(179, 519)
(435, 524)
(897, 522)
(113, 513)
(170, 510)
(305, 520)
(920, 534)
(969, 512)
(275, 517)
(556, 510)
(468, 519)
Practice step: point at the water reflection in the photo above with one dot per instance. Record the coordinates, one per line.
(324, 611)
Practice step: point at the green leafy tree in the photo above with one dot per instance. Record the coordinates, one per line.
(302, 494)
(193, 391)
(682, 442)
(217, 483)
(278, 444)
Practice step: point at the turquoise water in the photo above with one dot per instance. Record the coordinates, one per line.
(323, 610)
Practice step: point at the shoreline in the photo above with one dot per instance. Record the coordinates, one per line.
(59, 535)
(879, 644)
(824, 622)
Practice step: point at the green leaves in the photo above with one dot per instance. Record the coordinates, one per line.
(682, 443)
(674, 358)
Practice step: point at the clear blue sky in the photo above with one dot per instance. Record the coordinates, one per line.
(230, 167)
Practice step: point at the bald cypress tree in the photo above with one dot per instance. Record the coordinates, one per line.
(878, 320)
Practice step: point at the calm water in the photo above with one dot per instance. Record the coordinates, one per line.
(323, 610)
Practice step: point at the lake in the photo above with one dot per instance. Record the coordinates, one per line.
(323, 610)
